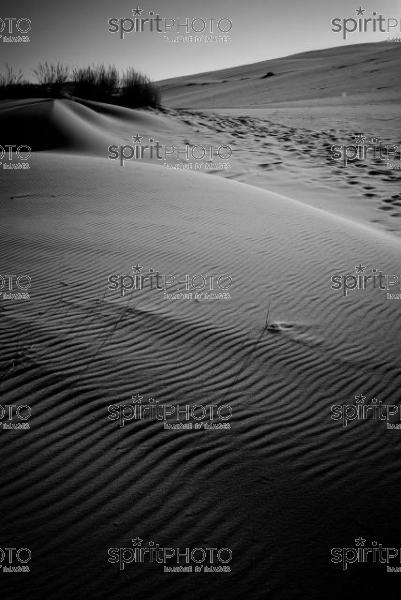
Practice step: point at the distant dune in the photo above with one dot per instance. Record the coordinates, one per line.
(320, 75)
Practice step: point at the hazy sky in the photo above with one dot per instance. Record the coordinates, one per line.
(76, 32)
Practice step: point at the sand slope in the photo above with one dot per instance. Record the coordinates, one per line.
(344, 72)
(281, 128)
(281, 351)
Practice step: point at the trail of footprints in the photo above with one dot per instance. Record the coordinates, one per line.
(369, 178)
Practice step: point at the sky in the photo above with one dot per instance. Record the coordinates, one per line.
(77, 32)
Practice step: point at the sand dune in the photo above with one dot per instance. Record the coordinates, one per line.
(280, 352)
(343, 74)
(79, 127)
(281, 127)
(82, 347)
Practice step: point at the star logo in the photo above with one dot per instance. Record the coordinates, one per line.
(137, 269)
(137, 399)
(137, 11)
(359, 268)
(137, 541)
(360, 541)
(360, 398)
(359, 138)
(360, 11)
(137, 138)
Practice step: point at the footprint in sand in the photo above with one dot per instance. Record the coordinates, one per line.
(378, 172)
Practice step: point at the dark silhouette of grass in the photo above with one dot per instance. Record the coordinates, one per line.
(52, 78)
(12, 84)
(137, 90)
(96, 82)
(10, 77)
